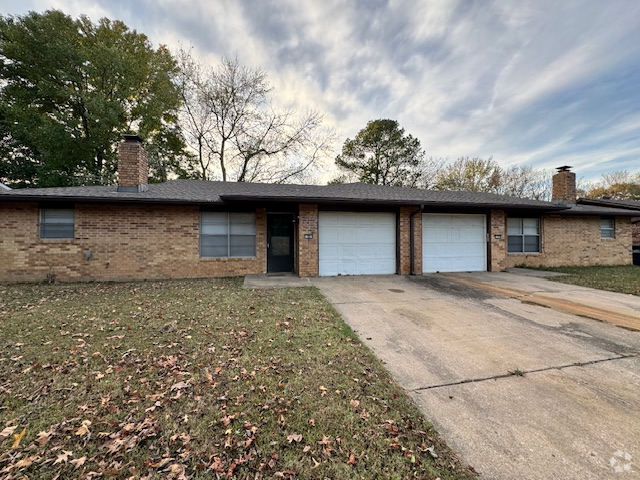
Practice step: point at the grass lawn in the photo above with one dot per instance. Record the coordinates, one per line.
(199, 379)
(623, 279)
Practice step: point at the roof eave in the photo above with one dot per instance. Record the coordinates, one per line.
(364, 201)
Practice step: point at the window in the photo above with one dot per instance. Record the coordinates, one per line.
(523, 235)
(607, 228)
(224, 234)
(56, 222)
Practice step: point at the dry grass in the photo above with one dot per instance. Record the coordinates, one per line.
(199, 379)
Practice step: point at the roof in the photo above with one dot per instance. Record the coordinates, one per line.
(207, 192)
(202, 192)
(626, 204)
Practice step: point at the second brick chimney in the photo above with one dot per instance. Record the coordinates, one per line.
(564, 186)
(133, 168)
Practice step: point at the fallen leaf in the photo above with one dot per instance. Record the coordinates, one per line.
(354, 404)
(27, 462)
(180, 386)
(18, 437)
(352, 460)
(63, 457)
(43, 437)
(294, 437)
(7, 432)
(83, 430)
(78, 462)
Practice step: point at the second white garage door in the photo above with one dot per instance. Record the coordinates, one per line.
(454, 243)
(356, 243)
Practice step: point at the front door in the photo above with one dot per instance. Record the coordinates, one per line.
(280, 230)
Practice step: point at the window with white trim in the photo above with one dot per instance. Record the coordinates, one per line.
(226, 234)
(523, 235)
(57, 222)
(607, 228)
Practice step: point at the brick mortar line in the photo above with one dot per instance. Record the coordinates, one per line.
(536, 370)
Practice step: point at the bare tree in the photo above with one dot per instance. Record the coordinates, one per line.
(619, 185)
(526, 182)
(237, 134)
(485, 175)
(470, 174)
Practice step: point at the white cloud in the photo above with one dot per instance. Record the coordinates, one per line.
(543, 83)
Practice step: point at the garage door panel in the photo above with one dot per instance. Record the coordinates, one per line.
(453, 243)
(356, 243)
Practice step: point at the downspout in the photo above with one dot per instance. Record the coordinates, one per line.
(412, 240)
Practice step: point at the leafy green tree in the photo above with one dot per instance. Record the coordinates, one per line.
(70, 89)
(382, 154)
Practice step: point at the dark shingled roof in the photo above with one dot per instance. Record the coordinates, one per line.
(203, 192)
(626, 204)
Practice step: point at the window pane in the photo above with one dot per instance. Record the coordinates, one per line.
(214, 246)
(514, 226)
(242, 224)
(214, 223)
(530, 226)
(532, 244)
(57, 215)
(56, 231)
(242, 246)
(607, 228)
(514, 244)
(56, 223)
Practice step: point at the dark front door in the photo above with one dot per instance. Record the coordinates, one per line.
(280, 242)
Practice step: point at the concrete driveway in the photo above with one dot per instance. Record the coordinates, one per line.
(519, 390)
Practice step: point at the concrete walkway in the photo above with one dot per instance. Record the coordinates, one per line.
(519, 390)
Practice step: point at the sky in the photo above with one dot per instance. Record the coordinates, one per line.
(543, 83)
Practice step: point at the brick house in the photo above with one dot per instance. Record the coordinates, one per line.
(192, 228)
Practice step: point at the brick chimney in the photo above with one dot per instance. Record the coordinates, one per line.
(133, 168)
(564, 186)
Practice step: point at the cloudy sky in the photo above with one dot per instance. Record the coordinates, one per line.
(538, 82)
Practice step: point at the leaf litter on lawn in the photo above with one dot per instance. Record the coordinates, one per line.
(199, 379)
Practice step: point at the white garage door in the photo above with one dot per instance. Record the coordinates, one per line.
(356, 243)
(454, 243)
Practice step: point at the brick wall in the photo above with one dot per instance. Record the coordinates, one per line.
(405, 240)
(497, 240)
(575, 241)
(133, 167)
(307, 254)
(126, 243)
(563, 188)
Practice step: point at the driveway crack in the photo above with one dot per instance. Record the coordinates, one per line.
(524, 372)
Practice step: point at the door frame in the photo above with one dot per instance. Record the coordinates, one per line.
(292, 217)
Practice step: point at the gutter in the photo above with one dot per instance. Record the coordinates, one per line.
(412, 240)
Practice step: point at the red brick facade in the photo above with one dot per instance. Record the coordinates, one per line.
(127, 242)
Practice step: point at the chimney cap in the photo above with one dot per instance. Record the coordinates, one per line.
(565, 168)
(132, 138)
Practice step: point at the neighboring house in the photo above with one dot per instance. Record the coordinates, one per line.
(192, 228)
